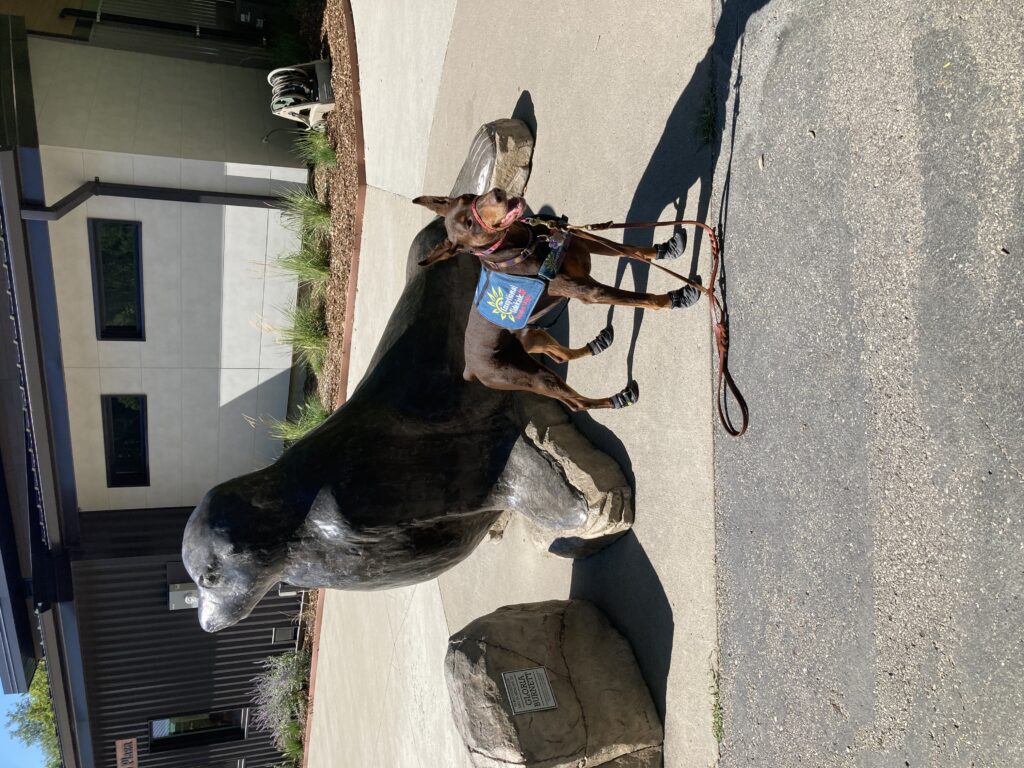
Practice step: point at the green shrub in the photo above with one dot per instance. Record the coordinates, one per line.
(311, 414)
(310, 265)
(280, 694)
(307, 215)
(314, 148)
(307, 333)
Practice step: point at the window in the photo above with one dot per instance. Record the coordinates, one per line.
(117, 278)
(283, 634)
(124, 435)
(182, 731)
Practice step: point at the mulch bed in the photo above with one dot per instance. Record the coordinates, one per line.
(342, 189)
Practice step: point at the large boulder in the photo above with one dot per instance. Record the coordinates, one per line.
(550, 685)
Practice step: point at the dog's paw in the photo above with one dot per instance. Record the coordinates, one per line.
(603, 340)
(627, 397)
(686, 296)
(672, 248)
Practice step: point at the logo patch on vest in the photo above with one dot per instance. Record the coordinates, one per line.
(507, 300)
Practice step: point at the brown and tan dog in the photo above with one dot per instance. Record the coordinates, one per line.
(489, 227)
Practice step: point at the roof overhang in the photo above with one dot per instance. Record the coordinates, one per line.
(49, 503)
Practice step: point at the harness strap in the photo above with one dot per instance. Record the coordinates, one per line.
(511, 261)
(725, 386)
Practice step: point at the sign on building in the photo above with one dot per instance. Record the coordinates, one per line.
(127, 753)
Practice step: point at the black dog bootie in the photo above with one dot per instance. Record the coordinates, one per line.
(672, 248)
(684, 297)
(627, 397)
(602, 342)
(687, 295)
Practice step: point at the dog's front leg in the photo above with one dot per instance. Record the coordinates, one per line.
(602, 246)
(589, 291)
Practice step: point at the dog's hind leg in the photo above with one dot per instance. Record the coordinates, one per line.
(602, 246)
(524, 374)
(550, 385)
(538, 342)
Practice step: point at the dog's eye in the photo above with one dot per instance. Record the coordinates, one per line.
(468, 222)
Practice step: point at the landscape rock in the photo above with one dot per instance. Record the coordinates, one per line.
(594, 474)
(603, 713)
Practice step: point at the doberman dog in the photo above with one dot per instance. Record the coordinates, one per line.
(492, 228)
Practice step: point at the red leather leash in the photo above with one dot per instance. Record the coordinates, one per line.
(726, 385)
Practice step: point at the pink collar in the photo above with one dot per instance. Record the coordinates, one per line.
(494, 246)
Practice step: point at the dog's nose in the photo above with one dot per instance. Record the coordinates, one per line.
(499, 195)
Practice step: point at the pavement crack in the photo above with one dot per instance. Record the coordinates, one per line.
(1002, 449)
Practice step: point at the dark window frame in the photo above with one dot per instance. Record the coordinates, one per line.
(139, 479)
(199, 738)
(113, 333)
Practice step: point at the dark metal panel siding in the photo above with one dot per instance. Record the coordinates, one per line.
(131, 533)
(124, 38)
(17, 113)
(144, 661)
(202, 13)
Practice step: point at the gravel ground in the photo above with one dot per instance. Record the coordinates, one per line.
(343, 189)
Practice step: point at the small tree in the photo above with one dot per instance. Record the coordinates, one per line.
(31, 719)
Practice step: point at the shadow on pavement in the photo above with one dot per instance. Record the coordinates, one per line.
(621, 581)
(524, 111)
(682, 157)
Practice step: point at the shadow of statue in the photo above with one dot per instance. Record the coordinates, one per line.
(622, 582)
(621, 579)
(523, 110)
(686, 154)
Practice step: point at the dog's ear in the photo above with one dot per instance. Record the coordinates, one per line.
(442, 251)
(438, 205)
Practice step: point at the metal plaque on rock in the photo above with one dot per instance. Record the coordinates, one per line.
(528, 690)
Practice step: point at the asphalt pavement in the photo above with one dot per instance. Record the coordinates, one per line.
(869, 542)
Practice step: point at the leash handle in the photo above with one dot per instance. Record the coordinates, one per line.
(725, 386)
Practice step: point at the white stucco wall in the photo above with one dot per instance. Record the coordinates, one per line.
(97, 98)
(210, 368)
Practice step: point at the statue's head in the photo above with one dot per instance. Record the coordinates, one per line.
(233, 551)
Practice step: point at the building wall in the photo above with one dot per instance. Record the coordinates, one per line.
(98, 98)
(143, 661)
(211, 367)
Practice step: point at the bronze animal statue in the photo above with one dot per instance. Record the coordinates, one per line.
(407, 477)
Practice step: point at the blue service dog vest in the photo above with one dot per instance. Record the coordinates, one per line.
(509, 300)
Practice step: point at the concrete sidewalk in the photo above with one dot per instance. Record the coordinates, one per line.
(616, 136)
